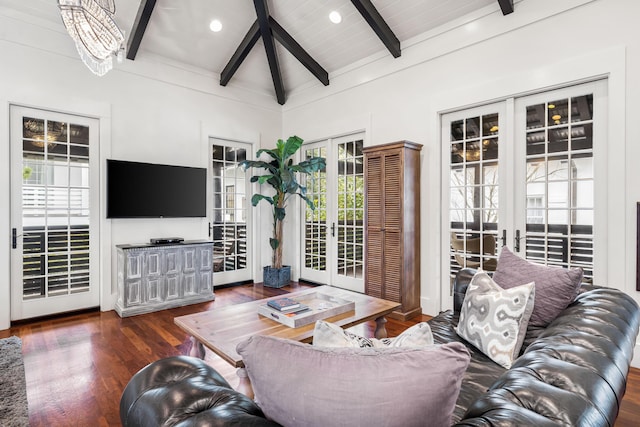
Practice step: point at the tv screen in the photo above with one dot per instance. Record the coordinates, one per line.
(147, 190)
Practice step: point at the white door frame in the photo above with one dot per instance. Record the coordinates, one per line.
(511, 161)
(504, 186)
(600, 165)
(330, 275)
(232, 276)
(22, 309)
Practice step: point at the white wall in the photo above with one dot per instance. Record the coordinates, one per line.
(148, 111)
(164, 113)
(482, 58)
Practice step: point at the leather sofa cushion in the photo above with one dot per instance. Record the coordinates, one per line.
(481, 372)
(298, 384)
(183, 390)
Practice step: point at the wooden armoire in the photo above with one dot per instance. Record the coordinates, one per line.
(392, 225)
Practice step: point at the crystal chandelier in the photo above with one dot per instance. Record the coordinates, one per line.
(97, 36)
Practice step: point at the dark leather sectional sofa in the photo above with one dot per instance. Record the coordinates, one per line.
(571, 373)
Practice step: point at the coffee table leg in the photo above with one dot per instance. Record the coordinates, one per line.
(244, 386)
(381, 330)
(197, 349)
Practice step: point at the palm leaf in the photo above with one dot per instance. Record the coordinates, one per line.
(280, 174)
(255, 199)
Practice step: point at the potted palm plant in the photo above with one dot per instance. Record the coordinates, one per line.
(281, 175)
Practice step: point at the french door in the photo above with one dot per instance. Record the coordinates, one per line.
(54, 212)
(231, 212)
(333, 233)
(522, 173)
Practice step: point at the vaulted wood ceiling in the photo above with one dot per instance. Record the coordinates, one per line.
(272, 46)
(267, 29)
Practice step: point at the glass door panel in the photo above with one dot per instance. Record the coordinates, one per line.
(315, 225)
(230, 212)
(333, 233)
(523, 172)
(349, 268)
(473, 141)
(54, 213)
(559, 180)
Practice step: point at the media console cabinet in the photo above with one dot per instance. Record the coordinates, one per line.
(154, 277)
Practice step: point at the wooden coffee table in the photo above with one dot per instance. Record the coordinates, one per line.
(221, 329)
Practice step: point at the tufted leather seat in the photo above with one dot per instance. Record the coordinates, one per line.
(185, 391)
(571, 373)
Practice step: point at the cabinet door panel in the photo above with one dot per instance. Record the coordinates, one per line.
(374, 269)
(190, 284)
(393, 191)
(393, 264)
(154, 290)
(133, 293)
(153, 264)
(374, 191)
(206, 283)
(173, 287)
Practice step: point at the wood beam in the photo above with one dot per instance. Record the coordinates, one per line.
(378, 25)
(240, 54)
(296, 50)
(139, 27)
(262, 10)
(506, 6)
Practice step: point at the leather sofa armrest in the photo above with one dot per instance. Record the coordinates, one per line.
(579, 363)
(460, 285)
(186, 391)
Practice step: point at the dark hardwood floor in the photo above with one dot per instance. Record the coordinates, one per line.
(77, 365)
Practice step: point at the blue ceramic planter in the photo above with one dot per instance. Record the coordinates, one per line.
(276, 277)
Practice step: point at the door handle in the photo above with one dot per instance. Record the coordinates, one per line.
(517, 241)
(333, 229)
(504, 237)
(14, 238)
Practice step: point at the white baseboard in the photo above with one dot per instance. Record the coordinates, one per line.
(429, 306)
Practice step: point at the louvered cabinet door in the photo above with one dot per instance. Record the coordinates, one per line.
(374, 272)
(374, 277)
(393, 222)
(392, 216)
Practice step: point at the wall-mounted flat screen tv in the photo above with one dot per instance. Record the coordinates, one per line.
(147, 190)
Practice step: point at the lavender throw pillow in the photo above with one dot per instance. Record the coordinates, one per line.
(300, 385)
(556, 287)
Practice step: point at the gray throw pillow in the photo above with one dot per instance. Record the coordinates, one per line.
(494, 319)
(300, 385)
(327, 334)
(556, 287)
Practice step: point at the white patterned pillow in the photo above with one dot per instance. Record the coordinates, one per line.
(494, 319)
(328, 334)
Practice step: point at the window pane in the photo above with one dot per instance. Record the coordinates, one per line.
(560, 189)
(55, 208)
(230, 207)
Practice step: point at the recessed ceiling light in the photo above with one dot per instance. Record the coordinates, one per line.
(335, 17)
(215, 25)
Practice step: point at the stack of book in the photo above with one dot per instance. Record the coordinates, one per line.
(287, 305)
